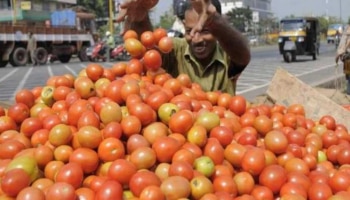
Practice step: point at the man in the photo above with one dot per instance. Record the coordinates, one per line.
(212, 52)
(31, 47)
(342, 53)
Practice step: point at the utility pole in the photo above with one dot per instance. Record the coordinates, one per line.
(111, 17)
(14, 16)
(341, 20)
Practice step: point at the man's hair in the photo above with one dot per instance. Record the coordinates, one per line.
(180, 6)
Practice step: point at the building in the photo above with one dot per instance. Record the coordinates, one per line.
(261, 8)
(31, 10)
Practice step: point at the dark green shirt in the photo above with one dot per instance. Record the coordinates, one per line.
(214, 77)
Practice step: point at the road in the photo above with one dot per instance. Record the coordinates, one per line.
(253, 81)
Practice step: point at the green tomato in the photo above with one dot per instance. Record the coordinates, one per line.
(204, 165)
(166, 110)
(28, 164)
(208, 119)
(47, 95)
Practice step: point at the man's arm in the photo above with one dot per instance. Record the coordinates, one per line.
(230, 39)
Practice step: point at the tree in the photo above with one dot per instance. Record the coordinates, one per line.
(166, 20)
(241, 18)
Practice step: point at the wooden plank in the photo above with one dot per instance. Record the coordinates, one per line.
(286, 89)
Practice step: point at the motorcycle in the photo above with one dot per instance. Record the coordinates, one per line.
(98, 52)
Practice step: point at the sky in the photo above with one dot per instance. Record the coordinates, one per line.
(283, 8)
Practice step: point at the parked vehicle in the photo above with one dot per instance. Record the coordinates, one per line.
(59, 37)
(333, 31)
(299, 36)
(98, 53)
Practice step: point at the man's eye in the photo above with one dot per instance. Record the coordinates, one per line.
(205, 31)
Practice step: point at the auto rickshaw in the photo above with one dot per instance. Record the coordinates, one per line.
(299, 36)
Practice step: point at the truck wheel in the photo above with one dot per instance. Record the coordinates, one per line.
(41, 55)
(19, 57)
(287, 57)
(3, 63)
(64, 58)
(82, 55)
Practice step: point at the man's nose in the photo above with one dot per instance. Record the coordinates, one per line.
(197, 37)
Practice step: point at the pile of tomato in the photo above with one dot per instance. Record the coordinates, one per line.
(134, 132)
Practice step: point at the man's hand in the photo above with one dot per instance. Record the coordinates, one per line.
(134, 11)
(205, 9)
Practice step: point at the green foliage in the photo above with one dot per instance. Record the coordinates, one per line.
(166, 20)
(240, 18)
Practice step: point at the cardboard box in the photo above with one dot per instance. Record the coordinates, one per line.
(286, 89)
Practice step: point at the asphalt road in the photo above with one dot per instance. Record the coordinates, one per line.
(253, 82)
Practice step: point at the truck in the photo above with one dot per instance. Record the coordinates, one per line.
(67, 33)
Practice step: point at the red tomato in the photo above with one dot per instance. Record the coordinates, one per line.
(152, 59)
(165, 147)
(175, 187)
(223, 134)
(18, 112)
(110, 189)
(121, 170)
(142, 179)
(237, 104)
(159, 33)
(130, 34)
(25, 96)
(9, 148)
(165, 44)
(86, 158)
(61, 190)
(14, 181)
(70, 173)
(134, 47)
(253, 160)
(273, 177)
(147, 39)
(94, 71)
(111, 149)
(181, 121)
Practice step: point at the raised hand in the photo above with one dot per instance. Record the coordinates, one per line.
(205, 9)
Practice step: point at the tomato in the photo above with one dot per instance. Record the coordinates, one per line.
(225, 184)
(7, 123)
(152, 192)
(165, 147)
(214, 150)
(110, 189)
(201, 185)
(234, 153)
(65, 81)
(262, 193)
(144, 112)
(85, 87)
(112, 129)
(197, 135)
(208, 119)
(147, 39)
(60, 134)
(94, 71)
(89, 137)
(63, 152)
(9, 148)
(25, 96)
(273, 177)
(339, 181)
(175, 187)
(130, 34)
(263, 124)
(318, 191)
(152, 59)
(88, 118)
(119, 68)
(121, 170)
(42, 183)
(43, 155)
(86, 158)
(297, 165)
(85, 193)
(52, 168)
(134, 47)
(159, 33)
(293, 188)
(14, 180)
(110, 112)
(166, 110)
(130, 125)
(61, 190)
(165, 44)
(223, 134)
(111, 149)
(143, 157)
(71, 173)
(174, 85)
(181, 121)
(76, 109)
(18, 112)
(237, 104)
(157, 99)
(276, 141)
(142, 179)
(134, 66)
(154, 131)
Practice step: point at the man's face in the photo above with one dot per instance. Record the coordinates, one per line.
(202, 45)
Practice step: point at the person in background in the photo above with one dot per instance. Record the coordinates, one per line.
(212, 52)
(343, 48)
(31, 47)
(109, 43)
(178, 28)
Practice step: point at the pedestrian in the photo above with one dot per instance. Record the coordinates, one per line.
(110, 44)
(343, 54)
(212, 52)
(31, 47)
